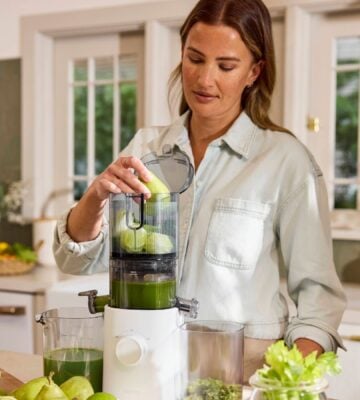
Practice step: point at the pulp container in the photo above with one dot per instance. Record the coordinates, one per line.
(213, 353)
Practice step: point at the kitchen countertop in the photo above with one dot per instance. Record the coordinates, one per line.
(28, 366)
(22, 366)
(40, 279)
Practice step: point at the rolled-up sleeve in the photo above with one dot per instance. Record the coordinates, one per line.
(82, 258)
(313, 284)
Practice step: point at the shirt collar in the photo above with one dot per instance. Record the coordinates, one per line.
(239, 137)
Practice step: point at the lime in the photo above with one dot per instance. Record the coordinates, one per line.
(102, 396)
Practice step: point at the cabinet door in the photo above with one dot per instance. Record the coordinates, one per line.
(16, 322)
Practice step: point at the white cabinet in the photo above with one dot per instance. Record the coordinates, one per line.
(17, 323)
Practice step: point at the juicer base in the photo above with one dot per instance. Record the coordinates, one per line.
(142, 353)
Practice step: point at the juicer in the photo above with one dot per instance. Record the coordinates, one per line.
(142, 314)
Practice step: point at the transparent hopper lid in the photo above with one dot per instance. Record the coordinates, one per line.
(173, 167)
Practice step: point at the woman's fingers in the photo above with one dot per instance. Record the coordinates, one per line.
(123, 169)
(119, 177)
(135, 164)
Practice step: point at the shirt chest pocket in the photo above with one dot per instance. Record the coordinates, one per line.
(236, 232)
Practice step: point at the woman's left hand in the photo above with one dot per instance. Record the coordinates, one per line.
(307, 346)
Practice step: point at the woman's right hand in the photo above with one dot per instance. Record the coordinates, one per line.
(122, 176)
(85, 220)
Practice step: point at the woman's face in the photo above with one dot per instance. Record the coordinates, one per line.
(216, 68)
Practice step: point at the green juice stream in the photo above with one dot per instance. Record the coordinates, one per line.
(66, 363)
(143, 295)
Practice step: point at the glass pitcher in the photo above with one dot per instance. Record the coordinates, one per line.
(270, 390)
(73, 344)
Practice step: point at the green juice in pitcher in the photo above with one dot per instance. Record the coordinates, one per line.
(143, 295)
(66, 363)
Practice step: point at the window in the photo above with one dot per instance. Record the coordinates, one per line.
(347, 128)
(103, 96)
(99, 88)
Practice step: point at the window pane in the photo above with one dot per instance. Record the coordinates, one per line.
(80, 70)
(79, 189)
(347, 119)
(80, 130)
(104, 68)
(128, 112)
(345, 196)
(348, 50)
(128, 70)
(103, 126)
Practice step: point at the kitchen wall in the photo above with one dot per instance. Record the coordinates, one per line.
(11, 11)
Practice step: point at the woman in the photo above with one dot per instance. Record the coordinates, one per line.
(257, 198)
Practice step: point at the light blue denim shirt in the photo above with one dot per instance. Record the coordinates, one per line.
(257, 198)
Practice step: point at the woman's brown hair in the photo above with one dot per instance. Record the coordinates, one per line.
(252, 20)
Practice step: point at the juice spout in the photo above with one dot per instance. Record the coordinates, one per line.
(96, 304)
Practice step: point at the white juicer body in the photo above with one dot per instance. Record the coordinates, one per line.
(142, 353)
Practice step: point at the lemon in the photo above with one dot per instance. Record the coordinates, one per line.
(102, 396)
(4, 246)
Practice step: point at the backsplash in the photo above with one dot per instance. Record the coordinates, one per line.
(10, 139)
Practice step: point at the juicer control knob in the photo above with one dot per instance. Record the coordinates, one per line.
(130, 350)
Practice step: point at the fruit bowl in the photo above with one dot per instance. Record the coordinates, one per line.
(16, 259)
(13, 266)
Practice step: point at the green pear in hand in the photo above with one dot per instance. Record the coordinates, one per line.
(77, 387)
(158, 189)
(51, 391)
(30, 390)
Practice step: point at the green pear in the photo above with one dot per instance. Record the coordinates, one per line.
(102, 396)
(77, 387)
(51, 391)
(29, 390)
(133, 240)
(158, 189)
(158, 243)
